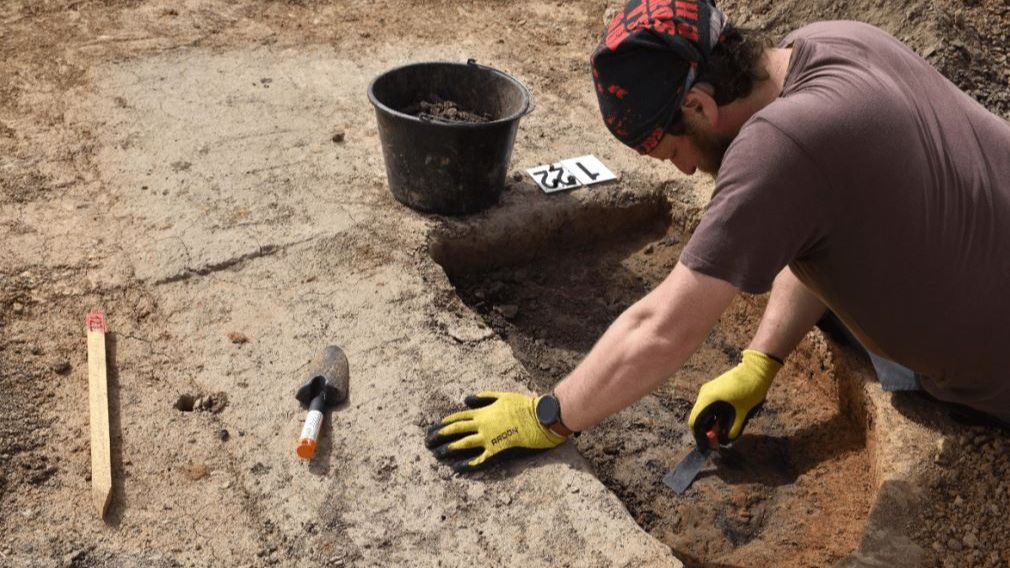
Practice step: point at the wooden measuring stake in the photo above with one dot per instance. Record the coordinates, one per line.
(98, 398)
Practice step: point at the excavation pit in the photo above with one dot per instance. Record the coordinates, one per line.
(795, 490)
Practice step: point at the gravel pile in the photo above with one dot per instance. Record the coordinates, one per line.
(964, 520)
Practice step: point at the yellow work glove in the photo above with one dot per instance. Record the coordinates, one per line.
(733, 397)
(498, 425)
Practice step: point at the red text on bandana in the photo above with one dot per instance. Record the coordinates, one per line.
(672, 17)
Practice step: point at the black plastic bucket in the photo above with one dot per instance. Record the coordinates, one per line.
(446, 167)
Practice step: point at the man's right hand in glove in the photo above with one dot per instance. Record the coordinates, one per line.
(498, 425)
(734, 396)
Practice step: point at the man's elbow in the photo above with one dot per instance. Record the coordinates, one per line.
(660, 330)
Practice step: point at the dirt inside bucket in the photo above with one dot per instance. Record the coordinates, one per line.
(795, 491)
(446, 111)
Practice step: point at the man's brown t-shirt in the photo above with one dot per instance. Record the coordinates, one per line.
(887, 191)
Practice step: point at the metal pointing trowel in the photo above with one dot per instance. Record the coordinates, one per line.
(681, 476)
(711, 426)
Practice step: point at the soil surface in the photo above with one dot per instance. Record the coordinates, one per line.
(209, 173)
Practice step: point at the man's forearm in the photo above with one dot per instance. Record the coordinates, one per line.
(791, 312)
(646, 345)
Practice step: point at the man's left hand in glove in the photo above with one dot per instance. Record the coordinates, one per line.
(499, 425)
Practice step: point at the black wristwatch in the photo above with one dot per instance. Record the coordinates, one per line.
(549, 414)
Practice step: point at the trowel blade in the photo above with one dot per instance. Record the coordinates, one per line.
(681, 477)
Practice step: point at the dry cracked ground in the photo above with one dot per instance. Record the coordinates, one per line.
(209, 173)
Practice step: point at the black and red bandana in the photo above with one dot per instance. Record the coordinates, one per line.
(649, 58)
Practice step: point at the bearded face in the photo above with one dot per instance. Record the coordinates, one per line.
(711, 148)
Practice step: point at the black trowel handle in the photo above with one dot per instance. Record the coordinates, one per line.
(712, 425)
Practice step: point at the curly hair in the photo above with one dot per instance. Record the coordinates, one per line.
(732, 69)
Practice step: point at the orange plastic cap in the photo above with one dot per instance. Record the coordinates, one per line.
(306, 448)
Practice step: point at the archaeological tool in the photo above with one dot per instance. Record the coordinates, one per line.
(327, 386)
(98, 403)
(711, 426)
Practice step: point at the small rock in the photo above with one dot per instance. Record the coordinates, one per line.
(196, 472)
(958, 501)
(223, 435)
(466, 331)
(61, 367)
(970, 541)
(215, 402)
(937, 547)
(954, 544)
(517, 176)
(18, 307)
(495, 288)
(259, 469)
(338, 136)
(649, 249)
(75, 556)
(508, 311)
(237, 337)
(669, 241)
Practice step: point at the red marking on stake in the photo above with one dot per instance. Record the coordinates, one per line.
(95, 321)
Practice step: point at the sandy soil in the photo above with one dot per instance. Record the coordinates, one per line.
(209, 173)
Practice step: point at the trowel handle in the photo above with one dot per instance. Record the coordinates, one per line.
(712, 425)
(310, 430)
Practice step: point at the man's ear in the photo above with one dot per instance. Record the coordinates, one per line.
(699, 104)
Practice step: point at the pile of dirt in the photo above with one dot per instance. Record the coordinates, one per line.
(446, 111)
(966, 41)
(974, 50)
(794, 491)
(967, 495)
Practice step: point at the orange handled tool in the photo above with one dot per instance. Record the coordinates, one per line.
(327, 387)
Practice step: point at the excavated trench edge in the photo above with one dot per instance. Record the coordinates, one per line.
(520, 231)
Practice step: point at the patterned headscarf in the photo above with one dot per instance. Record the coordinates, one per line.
(649, 58)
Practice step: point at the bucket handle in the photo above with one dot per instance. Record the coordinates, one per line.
(530, 107)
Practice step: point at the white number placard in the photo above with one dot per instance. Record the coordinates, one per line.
(570, 174)
(588, 169)
(553, 177)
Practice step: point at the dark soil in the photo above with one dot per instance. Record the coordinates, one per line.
(794, 491)
(446, 111)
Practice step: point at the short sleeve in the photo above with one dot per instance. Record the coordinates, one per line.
(770, 207)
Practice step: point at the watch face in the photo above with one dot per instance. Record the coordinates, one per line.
(548, 410)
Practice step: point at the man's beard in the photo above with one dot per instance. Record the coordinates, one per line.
(711, 148)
